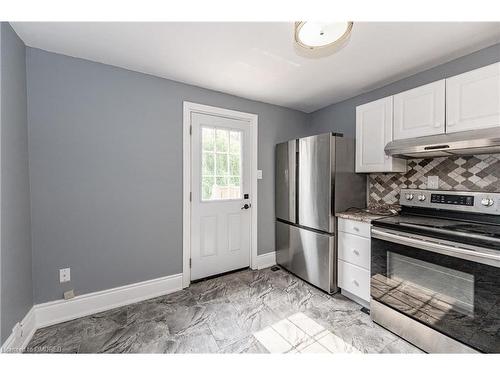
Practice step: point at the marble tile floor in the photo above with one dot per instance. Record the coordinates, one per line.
(244, 312)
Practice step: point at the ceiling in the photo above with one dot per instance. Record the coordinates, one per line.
(259, 60)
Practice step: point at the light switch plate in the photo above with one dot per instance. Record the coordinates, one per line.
(64, 275)
(432, 182)
(259, 174)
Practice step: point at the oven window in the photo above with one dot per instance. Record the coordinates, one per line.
(457, 297)
(443, 289)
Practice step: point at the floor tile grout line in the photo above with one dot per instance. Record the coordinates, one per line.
(293, 346)
(317, 342)
(325, 330)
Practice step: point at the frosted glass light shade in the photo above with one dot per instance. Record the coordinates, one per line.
(314, 35)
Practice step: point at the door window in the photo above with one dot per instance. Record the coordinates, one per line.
(221, 164)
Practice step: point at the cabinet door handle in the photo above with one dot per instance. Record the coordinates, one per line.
(356, 229)
(355, 251)
(355, 282)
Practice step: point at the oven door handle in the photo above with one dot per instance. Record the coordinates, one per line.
(457, 252)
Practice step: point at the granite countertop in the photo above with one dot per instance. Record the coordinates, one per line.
(366, 216)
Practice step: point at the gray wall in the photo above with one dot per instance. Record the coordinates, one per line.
(106, 171)
(106, 165)
(16, 261)
(341, 116)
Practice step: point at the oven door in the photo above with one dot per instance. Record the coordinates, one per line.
(447, 287)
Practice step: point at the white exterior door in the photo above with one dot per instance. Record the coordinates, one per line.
(220, 210)
(373, 132)
(473, 100)
(420, 111)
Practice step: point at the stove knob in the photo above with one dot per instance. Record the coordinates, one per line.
(487, 202)
(409, 196)
(421, 197)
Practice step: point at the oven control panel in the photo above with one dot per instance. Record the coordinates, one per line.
(461, 200)
(452, 200)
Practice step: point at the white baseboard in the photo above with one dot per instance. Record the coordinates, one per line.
(265, 260)
(49, 313)
(54, 312)
(21, 334)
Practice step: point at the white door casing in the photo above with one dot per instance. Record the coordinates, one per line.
(218, 235)
(420, 111)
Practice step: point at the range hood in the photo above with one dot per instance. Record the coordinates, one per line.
(473, 142)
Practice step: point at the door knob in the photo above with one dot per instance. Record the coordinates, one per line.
(246, 206)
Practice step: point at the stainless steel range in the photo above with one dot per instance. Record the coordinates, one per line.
(435, 271)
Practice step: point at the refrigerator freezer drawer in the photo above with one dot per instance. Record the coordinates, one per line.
(308, 254)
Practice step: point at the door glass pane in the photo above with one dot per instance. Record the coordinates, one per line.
(221, 182)
(222, 140)
(234, 165)
(207, 139)
(221, 164)
(207, 187)
(208, 164)
(235, 142)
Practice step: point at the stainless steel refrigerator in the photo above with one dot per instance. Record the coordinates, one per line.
(314, 179)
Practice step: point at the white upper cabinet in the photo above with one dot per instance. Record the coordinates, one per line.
(473, 99)
(373, 132)
(420, 111)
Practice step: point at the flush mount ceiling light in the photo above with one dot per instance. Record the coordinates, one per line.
(319, 35)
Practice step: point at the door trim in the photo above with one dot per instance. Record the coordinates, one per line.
(189, 108)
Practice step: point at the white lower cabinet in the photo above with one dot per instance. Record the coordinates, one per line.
(354, 279)
(354, 227)
(354, 259)
(354, 249)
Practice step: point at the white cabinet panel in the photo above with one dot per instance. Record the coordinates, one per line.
(473, 100)
(354, 279)
(354, 249)
(420, 111)
(373, 132)
(354, 227)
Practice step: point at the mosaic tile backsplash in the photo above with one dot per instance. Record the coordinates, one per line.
(468, 173)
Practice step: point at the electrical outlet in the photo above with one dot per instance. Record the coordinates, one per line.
(432, 182)
(64, 275)
(259, 174)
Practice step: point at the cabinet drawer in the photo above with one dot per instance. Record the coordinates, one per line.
(354, 227)
(354, 249)
(354, 279)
